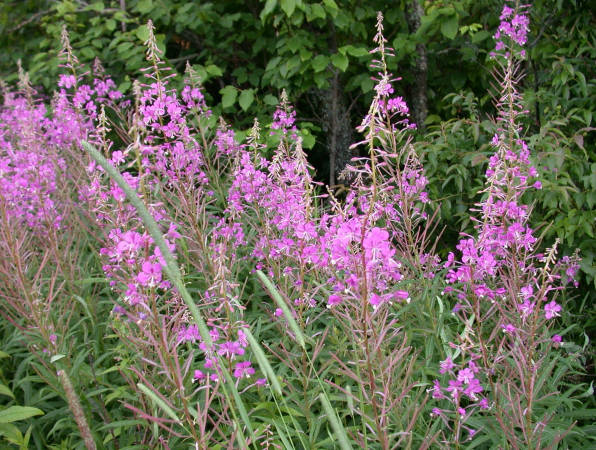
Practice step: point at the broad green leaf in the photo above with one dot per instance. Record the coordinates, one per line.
(340, 61)
(213, 70)
(331, 7)
(318, 11)
(142, 32)
(145, 6)
(228, 96)
(269, 7)
(111, 24)
(97, 6)
(353, 51)
(449, 27)
(16, 413)
(367, 85)
(308, 140)
(319, 63)
(246, 98)
(480, 36)
(270, 100)
(288, 6)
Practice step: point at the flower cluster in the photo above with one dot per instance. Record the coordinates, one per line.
(513, 29)
(30, 158)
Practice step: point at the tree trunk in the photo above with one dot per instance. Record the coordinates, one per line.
(338, 128)
(418, 101)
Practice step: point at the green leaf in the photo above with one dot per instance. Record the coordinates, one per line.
(174, 274)
(270, 100)
(4, 355)
(228, 96)
(158, 402)
(274, 293)
(308, 140)
(213, 70)
(332, 7)
(263, 362)
(11, 433)
(317, 11)
(142, 32)
(55, 358)
(319, 63)
(269, 7)
(16, 413)
(246, 98)
(367, 85)
(5, 390)
(480, 36)
(338, 428)
(145, 6)
(97, 6)
(354, 51)
(449, 27)
(340, 61)
(288, 6)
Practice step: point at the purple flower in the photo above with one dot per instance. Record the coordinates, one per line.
(508, 328)
(473, 388)
(446, 365)
(465, 375)
(150, 275)
(552, 309)
(243, 370)
(333, 300)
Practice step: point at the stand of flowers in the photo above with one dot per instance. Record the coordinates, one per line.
(244, 305)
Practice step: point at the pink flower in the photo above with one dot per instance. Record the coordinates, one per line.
(552, 309)
(150, 275)
(446, 365)
(230, 349)
(333, 300)
(437, 391)
(473, 388)
(243, 369)
(465, 375)
(508, 328)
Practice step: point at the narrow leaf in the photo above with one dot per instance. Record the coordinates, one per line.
(284, 307)
(338, 428)
(16, 413)
(159, 402)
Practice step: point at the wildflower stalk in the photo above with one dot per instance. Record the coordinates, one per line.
(77, 410)
(175, 276)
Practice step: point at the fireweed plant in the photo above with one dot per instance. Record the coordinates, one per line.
(506, 292)
(250, 307)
